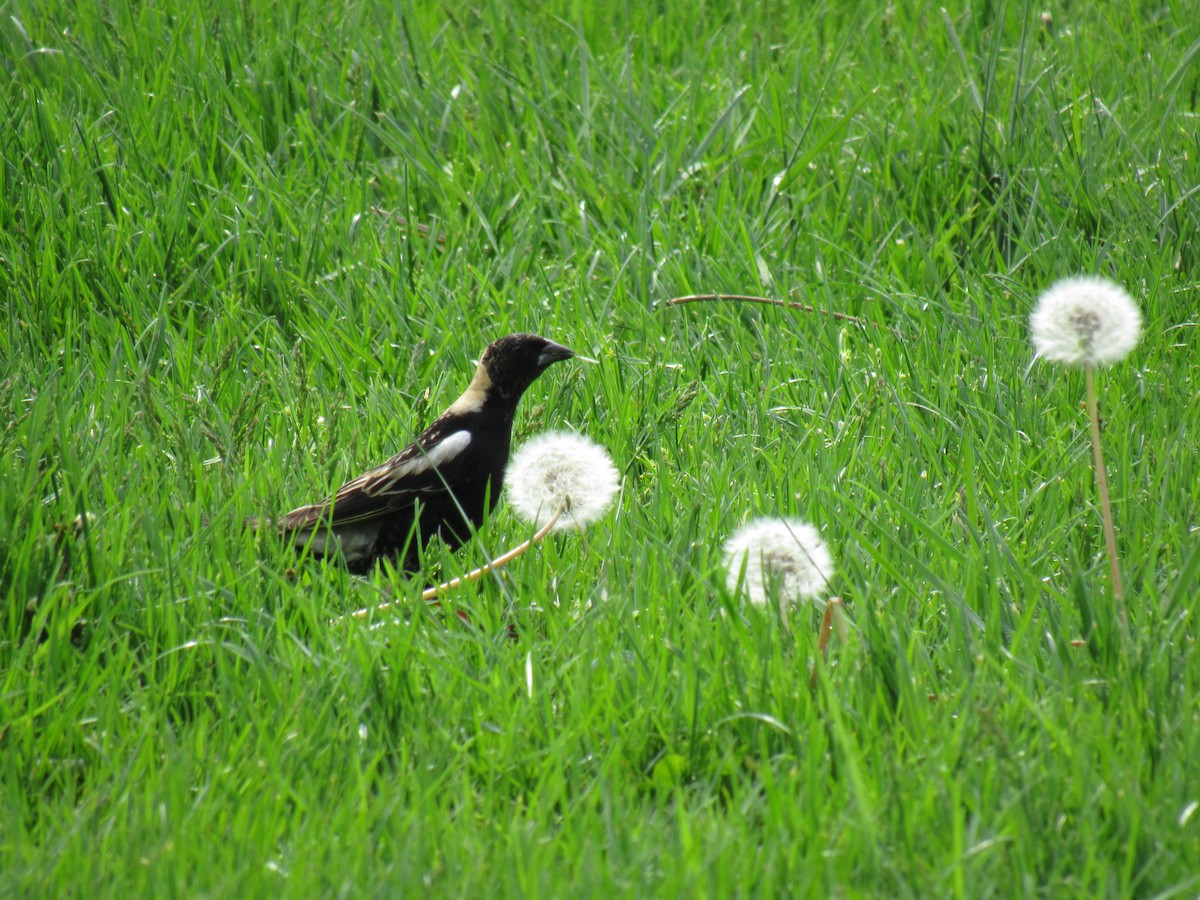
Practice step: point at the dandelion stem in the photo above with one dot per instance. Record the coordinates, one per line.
(474, 575)
(1110, 536)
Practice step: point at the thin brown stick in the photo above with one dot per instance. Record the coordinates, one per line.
(474, 575)
(1110, 535)
(505, 558)
(769, 301)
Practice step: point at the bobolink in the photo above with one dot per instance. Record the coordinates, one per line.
(443, 484)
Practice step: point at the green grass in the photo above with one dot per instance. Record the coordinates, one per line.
(217, 303)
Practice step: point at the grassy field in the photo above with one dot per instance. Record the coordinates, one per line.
(249, 249)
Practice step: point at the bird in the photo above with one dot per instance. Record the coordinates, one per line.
(443, 484)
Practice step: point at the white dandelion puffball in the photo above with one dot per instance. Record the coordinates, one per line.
(785, 553)
(561, 470)
(1085, 321)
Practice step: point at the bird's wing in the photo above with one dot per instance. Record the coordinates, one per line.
(418, 470)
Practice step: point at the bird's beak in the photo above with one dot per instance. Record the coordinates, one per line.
(552, 353)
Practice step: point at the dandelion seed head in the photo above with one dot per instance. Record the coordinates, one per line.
(787, 554)
(561, 470)
(1085, 321)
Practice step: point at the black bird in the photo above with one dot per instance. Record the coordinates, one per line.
(444, 483)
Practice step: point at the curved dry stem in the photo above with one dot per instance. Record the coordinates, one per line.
(771, 301)
(474, 575)
(502, 560)
(1110, 535)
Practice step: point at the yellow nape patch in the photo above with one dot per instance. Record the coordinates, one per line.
(473, 397)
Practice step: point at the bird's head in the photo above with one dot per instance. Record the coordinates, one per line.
(509, 366)
(513, 362)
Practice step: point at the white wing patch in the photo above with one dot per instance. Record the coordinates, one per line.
(446, 450)
(437, 455)
(379, 481)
